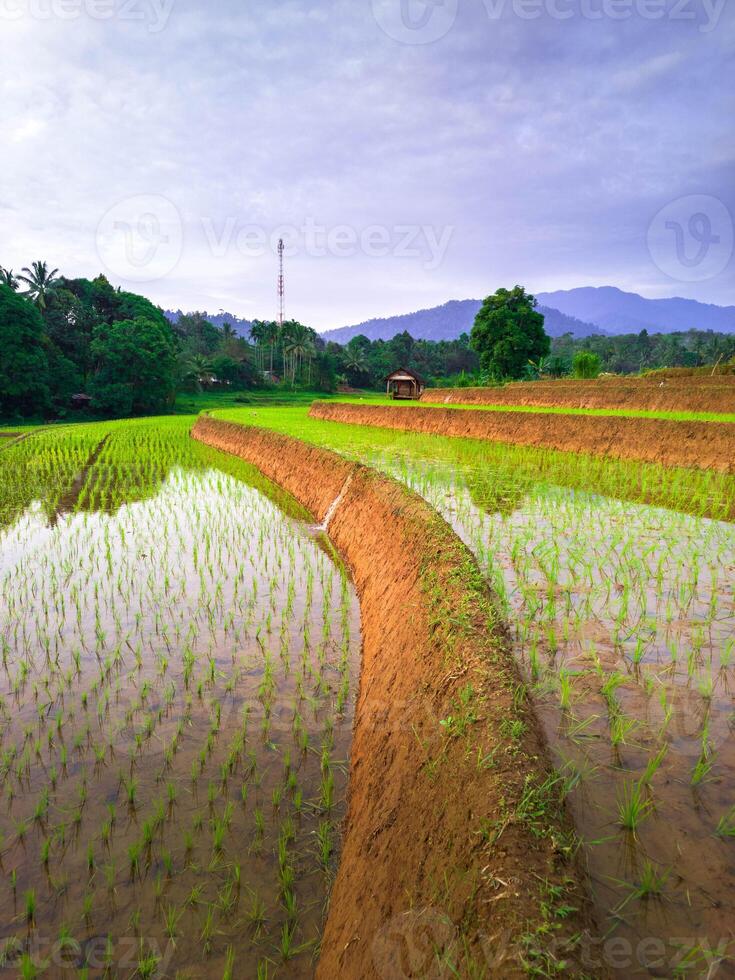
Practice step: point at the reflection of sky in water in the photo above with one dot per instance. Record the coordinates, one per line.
(206, 572)
(594, 587)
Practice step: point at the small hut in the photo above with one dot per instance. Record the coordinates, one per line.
(404, 384)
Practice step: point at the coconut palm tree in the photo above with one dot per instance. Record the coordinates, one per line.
(194, 370)
(299, 347)
(40, 282)
(355, 360)
(271, 337)
(8, 278)
(228, 333)
(265, 334)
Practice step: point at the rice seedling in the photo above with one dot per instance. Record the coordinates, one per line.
(600, 562)
(30, 907)
(132, 686)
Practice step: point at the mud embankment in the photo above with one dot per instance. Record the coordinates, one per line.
(453, 842)
(716, 394)
(702, 445)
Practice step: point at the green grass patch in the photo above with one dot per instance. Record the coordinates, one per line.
(503, 471)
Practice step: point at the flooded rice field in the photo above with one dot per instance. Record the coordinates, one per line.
(623, 618)
(179, 663)
(617, 580)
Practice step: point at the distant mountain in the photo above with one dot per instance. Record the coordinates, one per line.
(448, 321)
(615, 311)
(241, 326)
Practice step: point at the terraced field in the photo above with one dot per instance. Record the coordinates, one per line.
(541, 776)
(179, 656)
(617, 581)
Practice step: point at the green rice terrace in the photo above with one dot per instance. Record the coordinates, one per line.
(617, 579)
(179, 655)
(180, 660)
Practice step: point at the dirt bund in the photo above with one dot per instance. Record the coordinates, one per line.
(702, 445)
(700, 394)
(451, 839)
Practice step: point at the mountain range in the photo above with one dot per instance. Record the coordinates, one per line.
(581, 312)
(241, 326)
(448, 321)
(615, 311)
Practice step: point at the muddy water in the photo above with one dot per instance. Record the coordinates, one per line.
(176, 695)
(624, 623)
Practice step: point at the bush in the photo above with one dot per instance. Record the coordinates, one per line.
(586, 364)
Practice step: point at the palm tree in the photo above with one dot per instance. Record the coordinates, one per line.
(228, 333)
(271, 337)
(7, 278)
(355, 360)
(265, 334)
(257, 334)
(194, 370)
(300, 347)
(40, 282)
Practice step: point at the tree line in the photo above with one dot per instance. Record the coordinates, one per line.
(68, 343)
(65, 341)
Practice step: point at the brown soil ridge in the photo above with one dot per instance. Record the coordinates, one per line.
(716, 394)
(455, 838)
(700, 445)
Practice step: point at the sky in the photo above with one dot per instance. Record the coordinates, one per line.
(407, 151)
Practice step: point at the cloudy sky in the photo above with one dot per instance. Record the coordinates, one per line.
(408, 152)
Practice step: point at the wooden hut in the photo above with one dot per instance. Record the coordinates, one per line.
(404, 384)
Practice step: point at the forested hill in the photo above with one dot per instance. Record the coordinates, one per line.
(583, 312)
(449, 321)
(618, 312)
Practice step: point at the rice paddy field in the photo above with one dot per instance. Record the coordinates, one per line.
(618, 582)
(179, 653)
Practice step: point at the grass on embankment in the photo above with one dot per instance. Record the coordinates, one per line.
(699, 492)
(192, 403)
(543, 410)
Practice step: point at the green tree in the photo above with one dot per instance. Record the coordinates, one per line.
(136, 367)
(39, 281)
(298, 348)
(197, 334)
(23, 361)
(355, 361)
(8, 278)
(585, 364)
(508, 333)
